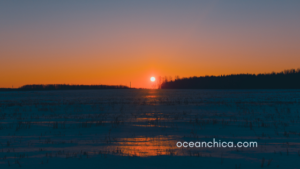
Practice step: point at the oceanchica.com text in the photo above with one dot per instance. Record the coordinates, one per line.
(216, 144)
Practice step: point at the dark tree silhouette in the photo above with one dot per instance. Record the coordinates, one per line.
(287, 79)
(64, 87)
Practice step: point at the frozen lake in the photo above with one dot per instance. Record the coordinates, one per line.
(132, 128)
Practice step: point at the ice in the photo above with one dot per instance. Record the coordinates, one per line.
(131, 128)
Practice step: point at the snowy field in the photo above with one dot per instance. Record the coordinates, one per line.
(140, 128)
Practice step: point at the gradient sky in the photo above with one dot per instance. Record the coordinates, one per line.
(115, 42)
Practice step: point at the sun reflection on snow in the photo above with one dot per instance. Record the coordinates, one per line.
(145, 146)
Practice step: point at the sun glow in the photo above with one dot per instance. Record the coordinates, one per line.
(152, 79)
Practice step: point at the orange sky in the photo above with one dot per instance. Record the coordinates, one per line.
(76, 43)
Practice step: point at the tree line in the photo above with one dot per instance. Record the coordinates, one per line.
(287, 79)
(65, 87)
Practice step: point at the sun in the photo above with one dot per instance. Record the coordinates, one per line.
(152, 79)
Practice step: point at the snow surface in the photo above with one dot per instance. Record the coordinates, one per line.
(140, 128)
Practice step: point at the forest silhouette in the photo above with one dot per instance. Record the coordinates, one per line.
(64, 87)
(287, 79)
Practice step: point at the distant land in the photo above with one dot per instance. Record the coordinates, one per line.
(287, 79)
(63, 87)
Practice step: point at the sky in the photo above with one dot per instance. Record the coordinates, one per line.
(118, 42)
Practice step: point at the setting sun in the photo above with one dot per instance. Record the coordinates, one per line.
(152, 79)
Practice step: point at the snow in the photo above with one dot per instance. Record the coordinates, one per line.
(140, 128)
